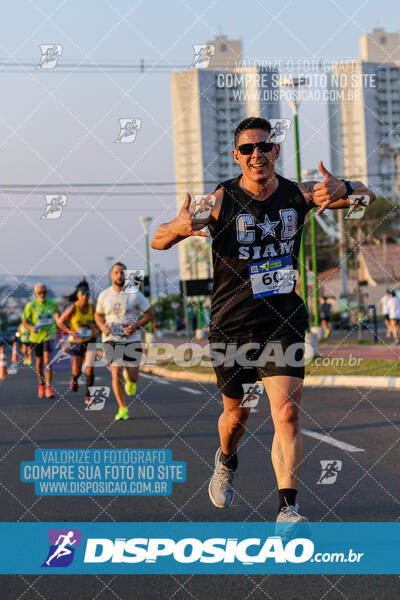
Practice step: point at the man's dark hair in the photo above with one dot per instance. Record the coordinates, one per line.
(118, 264)
(251, 123)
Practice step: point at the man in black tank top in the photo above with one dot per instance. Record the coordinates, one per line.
(256, 315)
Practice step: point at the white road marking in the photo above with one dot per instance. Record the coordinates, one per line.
(330, 440)
(155, 379)
(192, 391)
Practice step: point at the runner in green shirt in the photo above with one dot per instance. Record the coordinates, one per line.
(40, 317)
(26, 349)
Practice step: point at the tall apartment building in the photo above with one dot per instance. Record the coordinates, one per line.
(208, 103)
(364, 113)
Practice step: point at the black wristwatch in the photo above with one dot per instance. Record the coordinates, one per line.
(349, 187)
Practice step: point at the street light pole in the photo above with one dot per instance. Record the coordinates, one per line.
(359, 295)
(145, 222)
(302, 254)
(109, 262)
(296, 86)
(157, 267)
(195, 258)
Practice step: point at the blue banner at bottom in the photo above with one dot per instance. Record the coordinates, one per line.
(199, 548)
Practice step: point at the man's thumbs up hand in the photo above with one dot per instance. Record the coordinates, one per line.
(324, 172)
(329, 190)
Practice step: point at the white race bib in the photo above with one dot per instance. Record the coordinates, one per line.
(44, 320)
(273, 276)
(84, 332)
(116, 329)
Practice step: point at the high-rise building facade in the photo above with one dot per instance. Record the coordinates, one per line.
(364, 113)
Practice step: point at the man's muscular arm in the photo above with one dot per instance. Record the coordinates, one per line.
(331, 193)
(183, 226)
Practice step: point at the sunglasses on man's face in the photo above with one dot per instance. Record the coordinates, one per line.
(247, 149)
(42, 292)
(82, 293)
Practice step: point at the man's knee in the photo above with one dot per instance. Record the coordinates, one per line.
(287, 417)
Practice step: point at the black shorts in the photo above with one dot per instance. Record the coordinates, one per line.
(24, 343)
(386, 317)
(252, 361)
(41, 347)
(80, 348)
(123, 354)
(325, 318)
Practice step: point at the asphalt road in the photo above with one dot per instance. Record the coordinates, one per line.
(164, 415)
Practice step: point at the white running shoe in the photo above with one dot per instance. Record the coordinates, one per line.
(290, 514)
(220, 488)
(290, 524)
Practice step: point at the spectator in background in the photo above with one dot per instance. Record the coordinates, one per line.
(384, 303)
(324, 315)
(394, 316)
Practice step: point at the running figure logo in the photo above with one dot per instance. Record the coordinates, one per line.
(60, 352)
(62, 547)
(202, 55)
(128, 130)
(279, 129)
(330, 470)
(50, 55)
(54, 206)
(133, 279)
(98, 396)
(357, 208)
(201, 206)
(251, 395)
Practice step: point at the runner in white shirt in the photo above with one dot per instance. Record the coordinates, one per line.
(383, 302)
(121, 315)
(394, 315)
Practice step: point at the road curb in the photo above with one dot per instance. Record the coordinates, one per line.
(186, 375)
(309, 381)
(352, 381)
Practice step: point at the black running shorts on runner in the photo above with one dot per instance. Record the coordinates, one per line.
(79, 348)
(253, 360)
(123, 354)
(41, 347)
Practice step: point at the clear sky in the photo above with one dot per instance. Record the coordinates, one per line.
(61, 127)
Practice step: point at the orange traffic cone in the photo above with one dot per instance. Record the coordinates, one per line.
(14, 355)
(3, 364)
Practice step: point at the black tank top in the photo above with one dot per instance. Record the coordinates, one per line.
(251, 240)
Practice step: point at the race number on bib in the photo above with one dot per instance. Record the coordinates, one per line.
(44, 320)
(274, 276)
(84, 332)
(116, 329)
